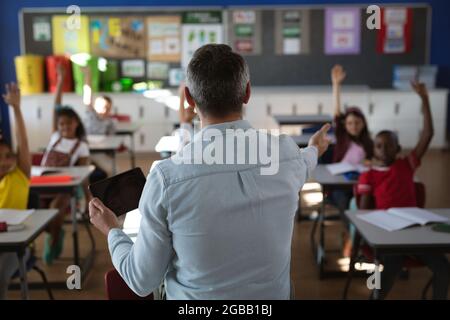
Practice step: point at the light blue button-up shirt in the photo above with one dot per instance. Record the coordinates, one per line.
(220, 231)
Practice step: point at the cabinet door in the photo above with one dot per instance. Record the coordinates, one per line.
(38, 117)
(359, 100)
(149, 135)
(152, 111)
(382, 105)
(312, 103)
(126, 104)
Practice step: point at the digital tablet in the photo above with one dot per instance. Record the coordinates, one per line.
(122, 192)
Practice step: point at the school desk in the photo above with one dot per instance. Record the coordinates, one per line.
(106, 144)
(18, 241)
(169, 144)
(303, 139)
(307, 119)
(129, 129)
(410, 241)
(80, 174)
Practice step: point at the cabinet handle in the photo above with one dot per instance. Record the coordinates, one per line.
(268, 109)
(141, 112)
(397, 108)
(142, 139)
(319, 108)
(39, 113)
(371, 107)
(294, 109)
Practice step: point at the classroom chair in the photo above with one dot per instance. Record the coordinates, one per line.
(31, 263)
(117, 289)
(366, 253)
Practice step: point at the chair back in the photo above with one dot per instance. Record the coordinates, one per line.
(117, 289)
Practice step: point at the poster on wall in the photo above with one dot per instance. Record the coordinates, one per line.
(117, 37)
(42, 29)
(244, 33)
(66, 38)
(395, 33)
(164, 38)
(198, 29)
(134, 68)
(342, 31)
(291, 32)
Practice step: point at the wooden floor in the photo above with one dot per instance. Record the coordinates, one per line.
(435, 173)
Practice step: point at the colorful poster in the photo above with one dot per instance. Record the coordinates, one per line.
(117, 37)
(198, 29)
(395, 33)
(342, 31)
(164, 38)
(133, 68)
(42, 29)
(68, 39)
(245, 31)
(292, 32)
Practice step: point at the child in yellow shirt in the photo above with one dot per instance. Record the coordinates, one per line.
(14, 179)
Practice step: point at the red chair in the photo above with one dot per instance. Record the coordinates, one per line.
(366, 251)
(121, 117)
(117, 289)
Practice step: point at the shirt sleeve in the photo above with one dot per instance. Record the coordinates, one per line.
(364, 185)
(143, 264)
(83, 150)
(309, 156)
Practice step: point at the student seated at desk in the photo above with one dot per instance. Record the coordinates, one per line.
(353, 144)
(390, 183)
(98, 119)
(67, 147)
(14, 180)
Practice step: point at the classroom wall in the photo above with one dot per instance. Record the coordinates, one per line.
(9, 29)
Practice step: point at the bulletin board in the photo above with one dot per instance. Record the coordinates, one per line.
(260, 44)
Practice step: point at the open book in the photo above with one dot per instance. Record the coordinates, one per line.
(400, 218)
(345, 167)
(14, 218)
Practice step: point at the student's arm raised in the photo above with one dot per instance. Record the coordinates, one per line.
(87, 87)
(60, 74)
(428, 130)
(337, 77)
(12, 98)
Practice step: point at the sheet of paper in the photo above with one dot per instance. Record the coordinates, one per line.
(386, 221)
(340, 167)
(14, 217)
(291, 46)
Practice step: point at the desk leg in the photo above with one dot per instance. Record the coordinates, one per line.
(113, 155)
(73, 212)
(23, 274)
(132, 152)
(376, 292)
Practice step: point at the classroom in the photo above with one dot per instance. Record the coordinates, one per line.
(225, 150)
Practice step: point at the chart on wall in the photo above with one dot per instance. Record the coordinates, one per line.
(117, 37)
(394, 37)
(292, 32)
(198, 29)
(70, 37)
(244, 33)
(342, 31)
(164, 38)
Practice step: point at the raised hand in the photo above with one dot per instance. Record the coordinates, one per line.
(60, 72)
(320, 139)
(419, 88)
(337, 74)
(12, 95)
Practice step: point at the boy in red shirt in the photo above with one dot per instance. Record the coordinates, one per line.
(390, 183)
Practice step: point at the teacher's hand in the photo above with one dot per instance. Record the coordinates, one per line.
(102, 217)
(320, 139)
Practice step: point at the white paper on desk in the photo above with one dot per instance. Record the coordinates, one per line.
(417, 215)
(96, 138)
(343, 167)
(14, 217)
(385, 220)
(39, 171)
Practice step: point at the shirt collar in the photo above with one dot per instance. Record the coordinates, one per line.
(222, 127)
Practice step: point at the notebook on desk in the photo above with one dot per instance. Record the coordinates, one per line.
(400, 218)
(14, 219)
(345, 167)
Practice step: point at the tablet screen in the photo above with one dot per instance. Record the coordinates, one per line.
(122, 192)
